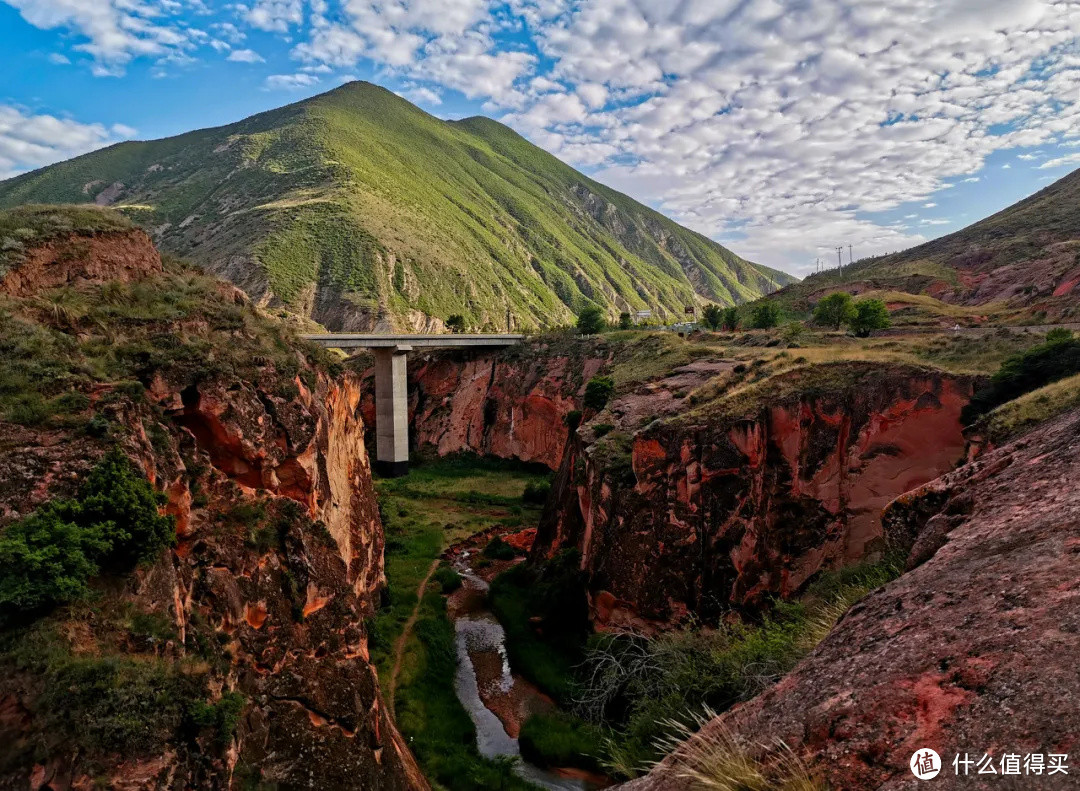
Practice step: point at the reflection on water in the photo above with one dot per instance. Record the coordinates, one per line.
(478, 633)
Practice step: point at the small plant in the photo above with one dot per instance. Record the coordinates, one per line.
(598, 392)
(455, 323)
(497, 549)
(572, 419)
(602, 429)
(536, 492)
(625, 321)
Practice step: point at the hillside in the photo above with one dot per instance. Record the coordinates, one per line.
(356, 204)
(1019, 265)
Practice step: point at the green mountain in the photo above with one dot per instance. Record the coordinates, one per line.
(1019, 265)
(358, 209)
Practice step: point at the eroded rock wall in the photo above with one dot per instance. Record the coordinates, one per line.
(968, 652)
(711, 510)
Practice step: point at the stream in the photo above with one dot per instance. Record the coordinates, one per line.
(483, 667)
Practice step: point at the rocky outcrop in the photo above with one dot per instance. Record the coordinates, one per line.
(69, 260)
(963, 654)
(510, 404)
(747, 498)
(260, 608)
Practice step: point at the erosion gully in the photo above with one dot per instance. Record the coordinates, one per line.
(497, 699)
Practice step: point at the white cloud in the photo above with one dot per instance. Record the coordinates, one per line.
(116, 30)
(929, 205)
(32, 141)
(59, 60)
(245, 56)
(1068, 159)
(274, 15)
(422, 95)
(971, 180)
(290, 82)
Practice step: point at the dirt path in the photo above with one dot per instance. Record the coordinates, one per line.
(399, 646)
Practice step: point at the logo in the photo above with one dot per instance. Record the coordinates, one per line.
(925, 764)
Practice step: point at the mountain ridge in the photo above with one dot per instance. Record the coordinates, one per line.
(362, 211)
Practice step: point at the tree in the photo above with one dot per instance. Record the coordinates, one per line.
(712, 316)
(764, 316)
(598, 391)
(1059, 334)
(456, 323)
(591, 321)
(730, 321)
(870, 315)
(835, 310)
(625, 322)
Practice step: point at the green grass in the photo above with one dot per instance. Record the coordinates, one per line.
(561, 739)
(30, 226)
(473, 217)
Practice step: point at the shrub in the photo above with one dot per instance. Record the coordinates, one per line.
(603, 429)
(455, 323)
(598, 391)
(222, 716)
(793, 331)
(765, 316)
(835, 310)
(559, 739)
(712, 316)
(591, 321)
(449, 580)
(49, 557)
(730, 321)
(497, 549)
(572, 419)
(537, 492)
(870, 315)
(1059, 334)
(625, 321)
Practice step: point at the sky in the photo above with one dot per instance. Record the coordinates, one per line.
(780, 129)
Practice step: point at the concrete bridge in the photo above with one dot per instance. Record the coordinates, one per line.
(391, 384)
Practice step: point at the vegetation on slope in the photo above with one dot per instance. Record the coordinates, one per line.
(356, 199)
(27, 227)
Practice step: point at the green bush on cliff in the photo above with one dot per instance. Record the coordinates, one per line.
(1025, 371)
(598, 392)
(48, 557)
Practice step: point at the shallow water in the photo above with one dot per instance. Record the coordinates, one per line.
(479, 633)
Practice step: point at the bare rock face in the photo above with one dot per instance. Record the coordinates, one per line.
(707, 512)
(124, 255)
(968, 652)
(508, 405)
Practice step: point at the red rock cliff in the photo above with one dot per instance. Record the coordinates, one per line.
(278, 563)
(717, 509)
(966, 654)
(509, 404)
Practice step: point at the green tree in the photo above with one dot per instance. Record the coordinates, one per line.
(1059, 334)
(598, 391)
(870, 315)
(730, 322)
(455, 323)
(591, 321)
(764, 316)
(712, 316)
(835, 310)
(625, 322)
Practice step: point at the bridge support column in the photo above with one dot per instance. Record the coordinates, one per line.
(391, 412)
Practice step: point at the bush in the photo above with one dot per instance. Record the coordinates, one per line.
(1024, 372)
(835, 310)
(712, 316)
(536, 492)
(591, 321)
(561, 740)
(765, 316)
(49, 557)
(448, 579)
(598, 391)
(455, 323)
(730, 321)
(625, 321)
(497, 549)
(572, 419)
(1058, 334)
(222, 717)
(870, 315)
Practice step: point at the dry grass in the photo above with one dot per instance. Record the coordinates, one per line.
(1030, 409)
(712, 758)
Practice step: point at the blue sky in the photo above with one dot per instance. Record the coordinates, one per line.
(779, 129)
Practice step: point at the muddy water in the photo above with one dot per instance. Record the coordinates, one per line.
(485, 684)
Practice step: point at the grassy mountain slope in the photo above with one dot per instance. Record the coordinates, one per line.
(356, 203)
(1021, 264)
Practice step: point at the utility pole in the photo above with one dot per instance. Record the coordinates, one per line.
(849, 254)
(508, 329)
(839, 258)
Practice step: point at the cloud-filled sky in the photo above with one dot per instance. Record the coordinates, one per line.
(781, 129)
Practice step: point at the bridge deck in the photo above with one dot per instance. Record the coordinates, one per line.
(345, 340)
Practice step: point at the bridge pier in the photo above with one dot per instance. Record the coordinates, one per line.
(391, 412)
